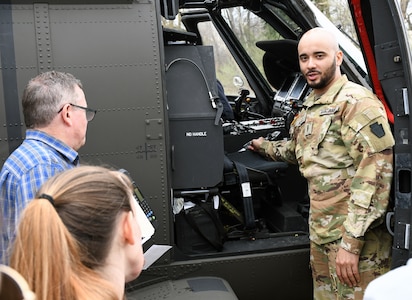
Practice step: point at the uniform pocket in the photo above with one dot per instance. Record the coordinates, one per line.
(320, 129)
(362, 198)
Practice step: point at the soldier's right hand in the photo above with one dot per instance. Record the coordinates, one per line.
(256, 143)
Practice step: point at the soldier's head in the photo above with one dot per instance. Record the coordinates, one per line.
(319, 58)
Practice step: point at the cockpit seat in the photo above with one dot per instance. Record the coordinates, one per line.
(250, 172)
(280, 60)
(256, 164)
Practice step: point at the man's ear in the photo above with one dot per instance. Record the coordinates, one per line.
(66, 115)
(128, 230)
(339, 58)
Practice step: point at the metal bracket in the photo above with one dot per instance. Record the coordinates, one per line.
(154, 129)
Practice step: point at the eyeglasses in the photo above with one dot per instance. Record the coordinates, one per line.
(90, 113)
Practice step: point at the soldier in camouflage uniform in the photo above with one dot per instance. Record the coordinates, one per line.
(342, 142)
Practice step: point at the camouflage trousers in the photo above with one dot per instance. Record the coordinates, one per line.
(374, 260)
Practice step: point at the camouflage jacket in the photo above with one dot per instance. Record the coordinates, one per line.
(343, 144)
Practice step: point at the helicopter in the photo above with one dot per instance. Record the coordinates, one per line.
(236, 223)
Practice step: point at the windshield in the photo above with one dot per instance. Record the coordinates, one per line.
(343, 27)
(226, 67)
(405, 8)
(249, 29)
(238, 37)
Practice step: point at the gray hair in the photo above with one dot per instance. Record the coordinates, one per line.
(45, 94)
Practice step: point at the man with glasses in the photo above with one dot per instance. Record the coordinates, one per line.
(56, 117)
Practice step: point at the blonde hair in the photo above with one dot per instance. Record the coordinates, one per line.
(66, 233)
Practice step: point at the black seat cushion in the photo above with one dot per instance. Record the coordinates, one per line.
(253, 160)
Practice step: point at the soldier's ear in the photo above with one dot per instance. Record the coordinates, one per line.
(339, 58)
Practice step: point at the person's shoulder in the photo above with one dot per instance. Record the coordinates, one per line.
(357, 89)
(361, 98)
(24, 158)
(43, 143)
(32, 149)
(393, 283)
(30, 153)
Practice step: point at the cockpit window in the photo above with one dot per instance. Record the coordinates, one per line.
(284, 18)
(341, 24)
(337, 11)
(406, 11)
(226, 67)
(250, 29)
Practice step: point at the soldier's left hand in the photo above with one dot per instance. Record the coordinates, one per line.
(347, 267)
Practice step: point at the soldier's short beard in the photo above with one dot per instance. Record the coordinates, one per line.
(325, 78)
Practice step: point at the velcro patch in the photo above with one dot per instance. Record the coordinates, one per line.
(377, 129)
(329, 111)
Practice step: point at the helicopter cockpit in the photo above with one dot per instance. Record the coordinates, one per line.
(223, 194)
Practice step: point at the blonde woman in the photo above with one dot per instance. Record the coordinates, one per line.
(79, 239)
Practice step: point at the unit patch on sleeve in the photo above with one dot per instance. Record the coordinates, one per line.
(377, 129)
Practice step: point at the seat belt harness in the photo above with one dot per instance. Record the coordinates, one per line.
(249, 215)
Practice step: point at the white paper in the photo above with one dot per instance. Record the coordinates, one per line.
(188, 204)
(154, 253)
(262, 127)
(145, 225)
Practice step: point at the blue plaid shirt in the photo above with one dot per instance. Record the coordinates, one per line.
(38, 158)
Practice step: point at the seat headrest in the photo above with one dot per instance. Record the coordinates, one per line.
(172, 36)
(280, 60)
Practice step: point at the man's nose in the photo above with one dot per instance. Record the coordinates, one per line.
(311, 62)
